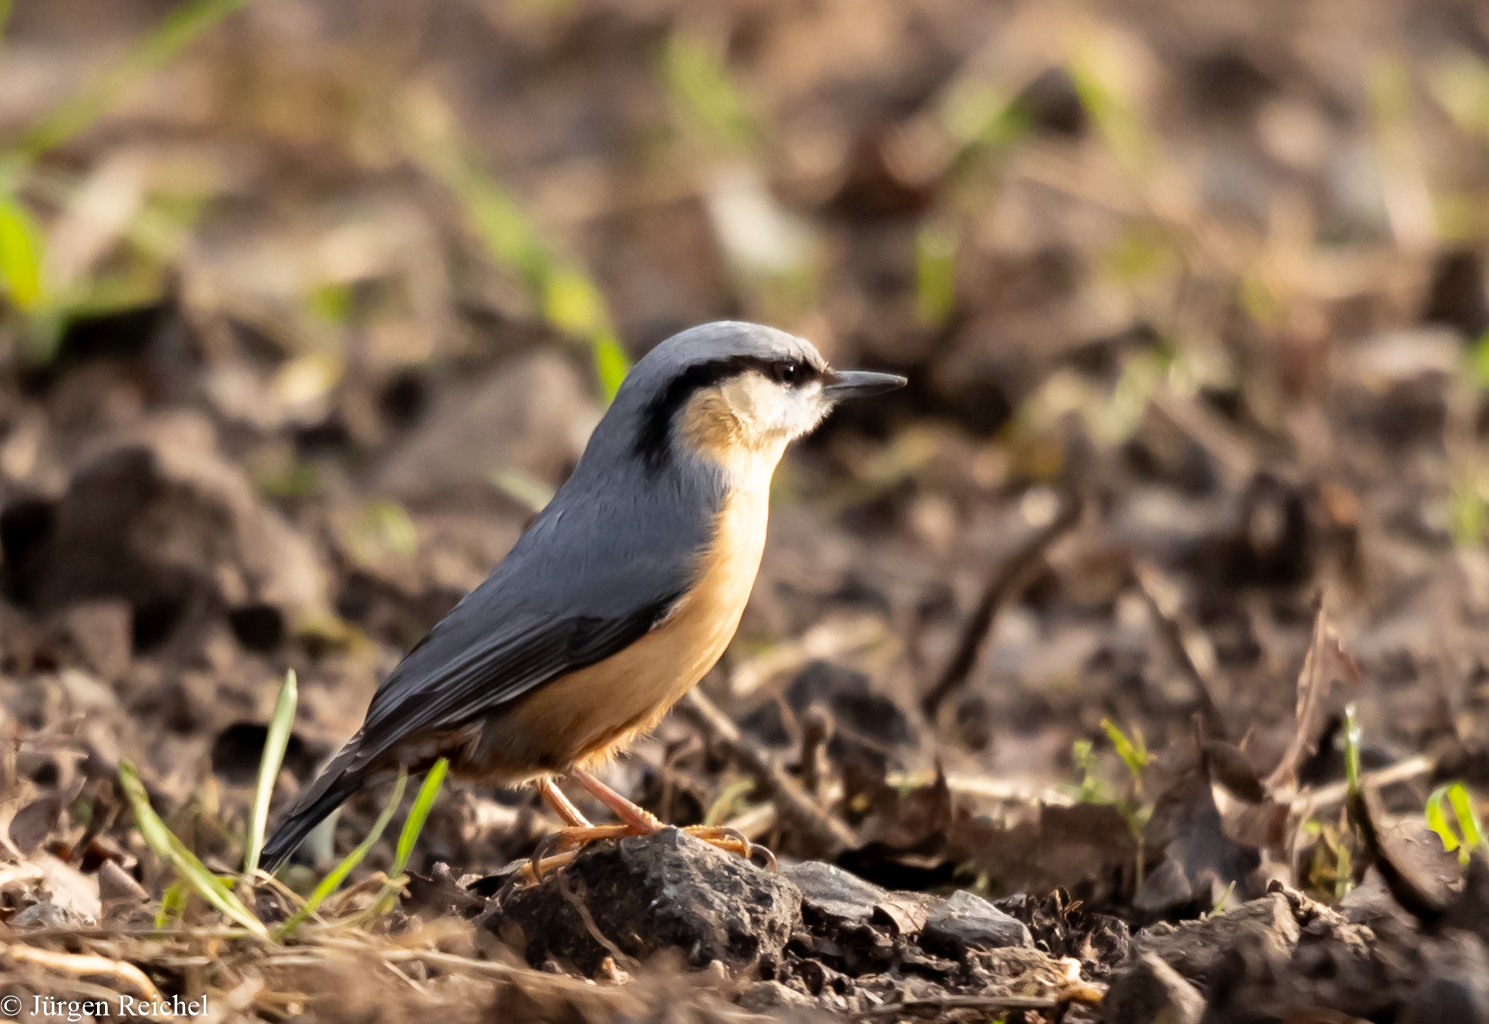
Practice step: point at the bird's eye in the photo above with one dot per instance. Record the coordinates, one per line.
(787, 372)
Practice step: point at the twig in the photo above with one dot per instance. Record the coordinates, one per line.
(1189, 644)
(80, 965)
(575, 898)
(824, 640)
(66, 984)
(156, 934)
(945, 1003)
(1309, 801)
(1020, 791)
(790, 797)
(1002, 586)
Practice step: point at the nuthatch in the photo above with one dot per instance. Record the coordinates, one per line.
(622, 594)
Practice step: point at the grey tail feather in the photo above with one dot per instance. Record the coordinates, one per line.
(325, 794)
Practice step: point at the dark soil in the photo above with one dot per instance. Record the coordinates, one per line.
(1040, 699)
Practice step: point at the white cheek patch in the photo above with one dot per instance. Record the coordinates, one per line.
(772, 412)
(800, 409)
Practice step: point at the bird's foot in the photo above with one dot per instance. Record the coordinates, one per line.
(564, 845)
(559, 848)
(732, 840)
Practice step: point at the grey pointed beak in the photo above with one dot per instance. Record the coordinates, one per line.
(842, 384)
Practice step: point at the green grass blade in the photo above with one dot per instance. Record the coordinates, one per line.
(1351, 748)
(935, 274)
(418, 814)
(718, 811)
(74, 114)
(1468, 816)
(1437, 821)
(1133, 753)
(21, 247)
(338, 874)
(611, 362)
(696, 74)
(530, 492)
(174, 852)
(172, 903)
(566, 297)
(274, 746)
(409, 837)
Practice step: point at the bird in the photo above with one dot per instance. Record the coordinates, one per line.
(618, 598)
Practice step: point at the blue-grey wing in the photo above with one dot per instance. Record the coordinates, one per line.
(447, 682)
(588, 579)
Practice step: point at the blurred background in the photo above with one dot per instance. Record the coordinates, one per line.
(309, 304)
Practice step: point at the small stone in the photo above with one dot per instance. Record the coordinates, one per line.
(1195, 948)
(831, 895)
(50, 915)
(649, 893)
(967, 921)
(1457, 986)
(96, 634)
(1150, 990)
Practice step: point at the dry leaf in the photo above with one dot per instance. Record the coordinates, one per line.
(1326, 664)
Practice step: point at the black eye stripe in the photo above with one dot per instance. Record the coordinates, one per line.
(653, 441)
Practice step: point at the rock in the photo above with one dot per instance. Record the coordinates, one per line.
(158, 519)
(532, 415)
(94, 634)
(831, 895)
(47, 914)
(1149, 990)
(1370, 903)
(1457, 988)
(967, 921)
(649, 893)
(1195, 948)
(1354, 971)
(846, 922)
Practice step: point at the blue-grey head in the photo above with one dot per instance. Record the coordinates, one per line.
(730, 392)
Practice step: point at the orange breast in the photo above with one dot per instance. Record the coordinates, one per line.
(586, 715)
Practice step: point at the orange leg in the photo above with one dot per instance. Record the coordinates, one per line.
(560, 848)
(642, 821)
(562, 805)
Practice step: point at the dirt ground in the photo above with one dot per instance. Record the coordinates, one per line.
(1040, 699)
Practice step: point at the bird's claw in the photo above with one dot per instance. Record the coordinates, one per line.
(559, 848)
(733, 840)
